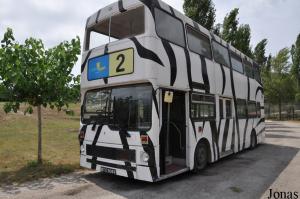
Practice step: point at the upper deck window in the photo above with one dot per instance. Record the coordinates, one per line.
(121, 26)
(236, 63)
(248, 69)
(256, 72)
(169, 28)
(198, 43)
(221, 54)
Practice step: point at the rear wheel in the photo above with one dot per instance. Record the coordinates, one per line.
(253, 141)
(201, 157)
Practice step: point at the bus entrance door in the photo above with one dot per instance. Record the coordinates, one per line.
(173, 133)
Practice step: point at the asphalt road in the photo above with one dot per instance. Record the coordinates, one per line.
(273, 165)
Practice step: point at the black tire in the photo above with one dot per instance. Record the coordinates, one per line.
(201, 157)
(253, 140)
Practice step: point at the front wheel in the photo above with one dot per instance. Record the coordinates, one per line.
(201, 157)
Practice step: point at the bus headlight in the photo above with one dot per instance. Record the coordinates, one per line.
(144, 157)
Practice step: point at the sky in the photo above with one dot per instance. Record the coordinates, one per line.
(54, 21)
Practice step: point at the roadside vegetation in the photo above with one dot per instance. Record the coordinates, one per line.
(18, 144)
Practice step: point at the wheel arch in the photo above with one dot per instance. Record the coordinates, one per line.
(207, 144)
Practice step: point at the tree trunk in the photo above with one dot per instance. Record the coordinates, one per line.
(39, 134)
(280, 109)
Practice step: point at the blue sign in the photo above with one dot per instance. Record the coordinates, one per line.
(98, 67)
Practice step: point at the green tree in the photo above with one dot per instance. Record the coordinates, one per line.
(260, 51)
(242, 40)
(295, 52)
(201, 11)
(238, 36)
(230, 26)
(36, 75)
(278, 83)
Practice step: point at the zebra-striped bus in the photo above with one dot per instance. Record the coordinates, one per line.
(162, 95)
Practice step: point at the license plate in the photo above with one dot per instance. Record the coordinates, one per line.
(110, 65)
(108, 170)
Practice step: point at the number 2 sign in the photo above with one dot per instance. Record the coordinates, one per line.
(114, 64)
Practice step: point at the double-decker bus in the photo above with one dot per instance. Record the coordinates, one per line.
(162, 95)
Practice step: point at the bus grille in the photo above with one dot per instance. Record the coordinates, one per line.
(111, 153)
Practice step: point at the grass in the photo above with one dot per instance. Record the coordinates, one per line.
(33, 171)
(18, 144)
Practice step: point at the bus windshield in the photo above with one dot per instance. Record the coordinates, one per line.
(124, 25)
(121, 108)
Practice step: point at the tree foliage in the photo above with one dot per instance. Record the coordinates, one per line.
(242, 40)
(230, 26)
(36, 75)
(260, 51)
(295, 52)
(201, 11)
(238, 35)
(278, 83)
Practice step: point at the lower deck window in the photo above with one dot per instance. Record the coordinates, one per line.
(251, 109)
(203, 107)
(241, 108)
(258, 111)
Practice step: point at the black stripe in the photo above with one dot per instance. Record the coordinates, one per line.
(248, 87)
(94, 158)
(198, 85)
(105, 79)
(260, 121)
(225, 135)
(172, 60)
(204, 74)
(97, 17)
(213, 127)
(223, 78)
(218, 135)
(191, 85)
(188, 66)
(121, 7)
(85, 60)
(192, 121)
(87, 22)
(155, 102)
(245, 132)
(106, 49)
(124, 141)
(145, 53)
(262, 130)
(235, 104)
(233, 136)
(259, 88)
(149, 149)
(117, 166)
(172, 11)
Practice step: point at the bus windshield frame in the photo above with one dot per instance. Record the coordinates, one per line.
(116, 27)
(121, 108)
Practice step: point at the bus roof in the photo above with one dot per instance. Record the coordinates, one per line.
(123, 5)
